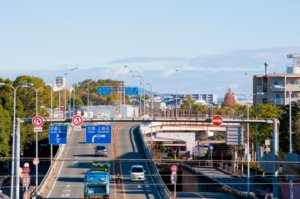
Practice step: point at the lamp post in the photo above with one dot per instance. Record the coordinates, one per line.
(14, 165)
(290, 130)
(36, 139)
(88, 96)
(51, 116)
(141, 81)
(248, 144)
(124, 96)
(176, 111)
(151, 116)
(36, 143)
(290, 113)
(151, 98)
(65, 87)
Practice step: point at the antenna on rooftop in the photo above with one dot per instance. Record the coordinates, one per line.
(266, 68)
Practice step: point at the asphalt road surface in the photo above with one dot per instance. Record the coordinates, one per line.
(124, 151)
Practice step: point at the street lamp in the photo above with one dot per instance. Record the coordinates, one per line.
(14, 168)
(65, 87)
(248, 144)
(151, 98)
(36, 142)
(36, 139)
(176, 111)
(151, 116)
(290, 127)
(51, 116)
(141, 80)
(290, 113)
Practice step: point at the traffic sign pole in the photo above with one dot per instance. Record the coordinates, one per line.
(38, 122)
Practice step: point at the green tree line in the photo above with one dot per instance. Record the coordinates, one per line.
(26, 106)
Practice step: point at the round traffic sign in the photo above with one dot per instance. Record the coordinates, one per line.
(26, 170)
(174, 168)
(77, 120)
(217, 120)
(291, 163)
(38, 121)
(36, 161)
(269, 162)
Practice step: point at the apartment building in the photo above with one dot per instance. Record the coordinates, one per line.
(208, 98)
(276, 88)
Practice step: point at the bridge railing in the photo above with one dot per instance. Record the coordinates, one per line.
(51, 173)
(160, 185)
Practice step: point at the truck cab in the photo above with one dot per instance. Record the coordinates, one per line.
(96, 184)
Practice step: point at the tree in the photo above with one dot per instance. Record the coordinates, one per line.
(264, 111)
(5, 132)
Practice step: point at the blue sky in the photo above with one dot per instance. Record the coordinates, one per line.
(214, 45)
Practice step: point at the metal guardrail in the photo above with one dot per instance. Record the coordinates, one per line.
(161, 186)
(227, 188)
(58, 153)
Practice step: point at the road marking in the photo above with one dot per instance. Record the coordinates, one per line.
(61, 166)
(118, 151)
(113, 157)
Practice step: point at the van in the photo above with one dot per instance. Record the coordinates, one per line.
(137, 173)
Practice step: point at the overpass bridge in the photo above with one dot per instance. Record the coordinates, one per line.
(78, 157)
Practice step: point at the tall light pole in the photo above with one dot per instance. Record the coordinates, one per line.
(290, 113)
(65, 87)
(72, 69)
(124, 99)
(248, 144)
(141, 82)
(151, 99)
(88, 97)
(36, 140)
(176, 111)
(290, 129)
(14, 165)
(151, 116)
(36, 143)
(51, 116)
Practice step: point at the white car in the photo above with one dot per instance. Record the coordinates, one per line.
(137, 173)
(101, 150)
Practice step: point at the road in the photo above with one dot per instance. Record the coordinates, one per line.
(129, 151)
(124, 151)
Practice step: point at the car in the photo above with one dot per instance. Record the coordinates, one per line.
(100, 150)
(137, 173)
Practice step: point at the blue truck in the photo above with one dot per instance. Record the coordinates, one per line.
(96, 184)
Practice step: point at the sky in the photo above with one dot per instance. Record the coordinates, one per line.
(200, 46)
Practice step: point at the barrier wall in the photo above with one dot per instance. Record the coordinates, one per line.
(160, 185)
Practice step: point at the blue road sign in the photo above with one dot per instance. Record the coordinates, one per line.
(98, 134)
(131, 91)
(58, 135)
(103, 90)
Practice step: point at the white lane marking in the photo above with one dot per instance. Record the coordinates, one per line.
(58, 172)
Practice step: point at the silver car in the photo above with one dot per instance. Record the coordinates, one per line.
(101, 150)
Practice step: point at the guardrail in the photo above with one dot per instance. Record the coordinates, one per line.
(161, 186)
(44, 183)
(227, 188)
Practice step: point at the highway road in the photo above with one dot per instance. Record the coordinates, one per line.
(129, 151)
(124, 151)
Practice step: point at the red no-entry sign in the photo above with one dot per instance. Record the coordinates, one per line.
(217, 120)
(38, 121)
(77, 120)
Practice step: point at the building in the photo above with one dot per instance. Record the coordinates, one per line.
(276, 88)
(208, 98)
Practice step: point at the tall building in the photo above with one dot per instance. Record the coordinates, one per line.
(275, 88)
(208, 98)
